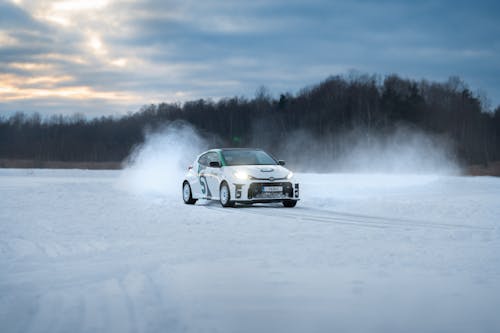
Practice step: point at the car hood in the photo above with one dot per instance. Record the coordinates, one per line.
(262, 171)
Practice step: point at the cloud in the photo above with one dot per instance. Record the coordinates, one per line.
(127, 53)
(12, 16)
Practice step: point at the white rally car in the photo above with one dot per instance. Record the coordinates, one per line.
(239, 175)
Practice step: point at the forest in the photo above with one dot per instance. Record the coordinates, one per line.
(326, 114)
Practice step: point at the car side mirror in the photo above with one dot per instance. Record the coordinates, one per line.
(215, 164)
(281, 162)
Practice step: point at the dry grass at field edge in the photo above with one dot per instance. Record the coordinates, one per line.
(34, 164)
(492, 169)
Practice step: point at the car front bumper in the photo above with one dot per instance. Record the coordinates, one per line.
(256, 191)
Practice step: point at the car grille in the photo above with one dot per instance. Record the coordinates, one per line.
(255, 191)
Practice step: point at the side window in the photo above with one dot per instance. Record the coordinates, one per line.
(203, 160)
(213, 157)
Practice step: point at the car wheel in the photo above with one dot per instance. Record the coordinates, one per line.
(187, 196)
(289, 203)
(225, 196)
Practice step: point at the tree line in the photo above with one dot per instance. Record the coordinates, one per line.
(338, 105)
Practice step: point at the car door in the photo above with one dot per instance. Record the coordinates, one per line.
(213, 175)
(202, 174)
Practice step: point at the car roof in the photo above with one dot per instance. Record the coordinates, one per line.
(215, 150)
(224, 149)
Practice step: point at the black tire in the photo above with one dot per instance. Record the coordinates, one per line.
(187, 195)
(225, 196)
(289, 203)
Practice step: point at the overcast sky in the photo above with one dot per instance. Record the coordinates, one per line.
(108, 57)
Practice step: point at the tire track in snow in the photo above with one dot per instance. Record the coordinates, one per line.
(403, 221)
(348, 218)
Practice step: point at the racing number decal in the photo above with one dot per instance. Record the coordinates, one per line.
(203, 182)
(204, 186)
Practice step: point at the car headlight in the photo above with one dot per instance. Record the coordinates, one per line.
(290, 175)
(242, 175)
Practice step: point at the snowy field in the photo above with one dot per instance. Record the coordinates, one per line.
(81, 252)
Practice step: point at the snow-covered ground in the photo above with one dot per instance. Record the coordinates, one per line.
(81, 252)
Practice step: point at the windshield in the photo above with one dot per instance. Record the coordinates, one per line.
(247, 157)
